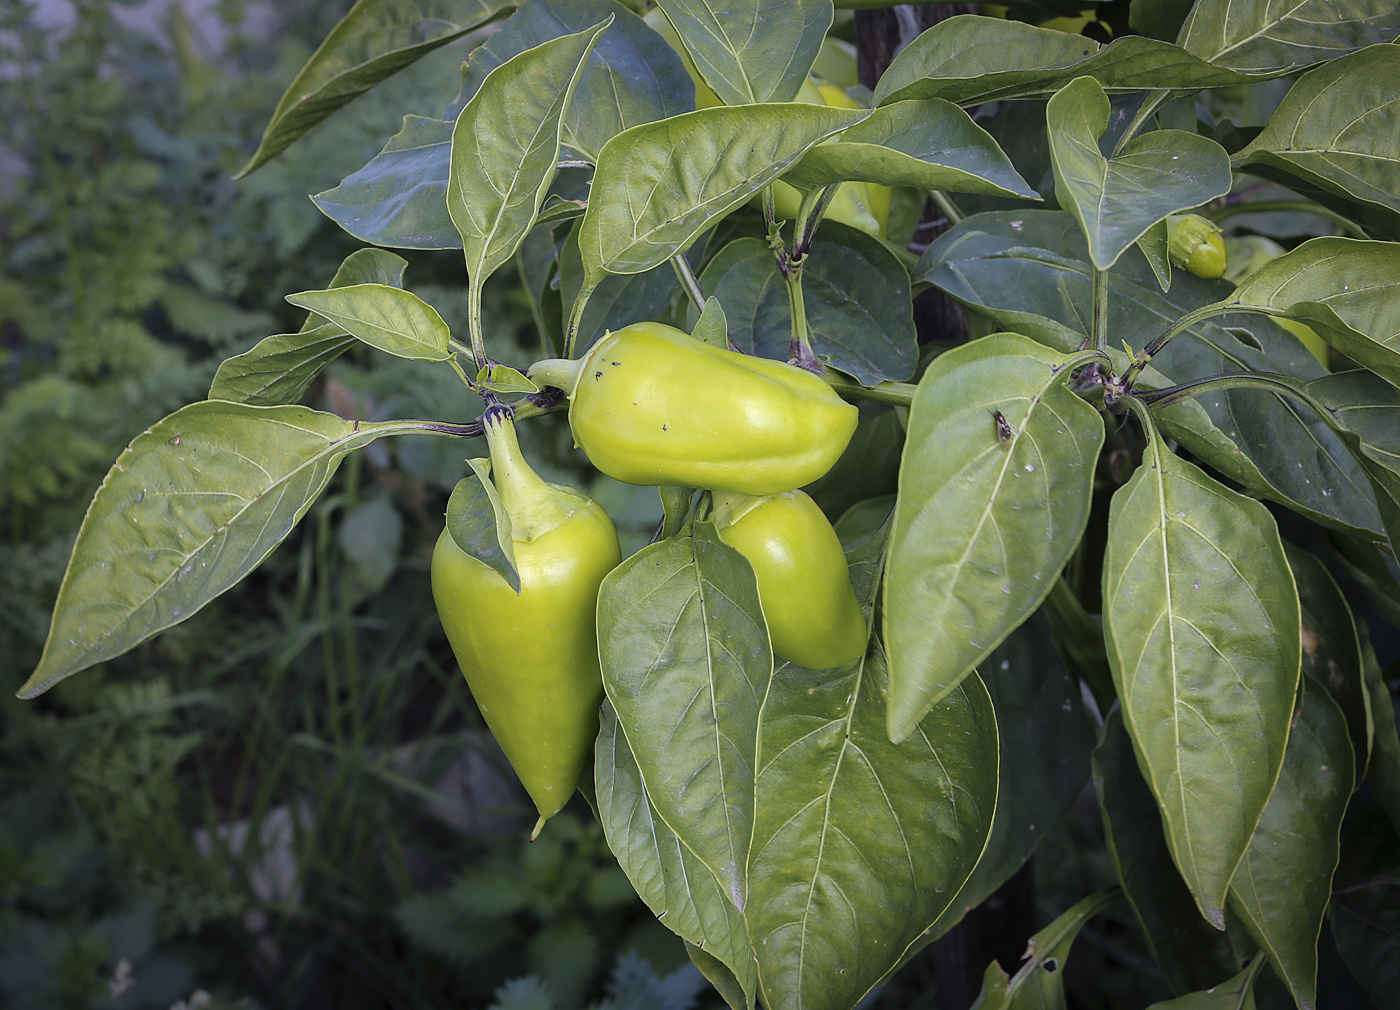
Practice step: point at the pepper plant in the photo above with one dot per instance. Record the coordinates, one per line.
(1100, 473)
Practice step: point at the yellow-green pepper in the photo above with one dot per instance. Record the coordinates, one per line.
(804, 584)
(650, 404)
(531, 659)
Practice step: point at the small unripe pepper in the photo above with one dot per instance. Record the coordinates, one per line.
(650, 404)
(531, 660)
(1196, 244)
(804, 584)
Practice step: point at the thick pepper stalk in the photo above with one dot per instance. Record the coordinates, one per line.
(531, 660)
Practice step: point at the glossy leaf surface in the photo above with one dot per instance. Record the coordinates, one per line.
(280, 368)
(1201, 619)
(1030, 271)
(375, 40)
(1265, 35)
(479, 525)
(190, 507)
(388, 318)
(660, 185)
(986, 516)
(855, 291)
(751, 50)
(1335, 129)
(1284, 883)
(1116, 200)
(1235, 994)
(505, 146)
(1190, 953)
(929, 144)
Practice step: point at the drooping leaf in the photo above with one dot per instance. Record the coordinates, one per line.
(721, 37)
(1366, 908)
(859, 844)
(388, 318)
(1334, 130)
(190, 507)
(675, 885)
(1029, 271)
(375, 40)
(1190, 953)
(1284, 883)
(1201, 619)
(994, 494)
(505, 146)
(1283, 34)
(399, 198)
(479, 525)
(686, 664)
(631, 76)
(929, 144)
(660, 185)
(1332, 650)
(1116, 200)
(280, 368)
(855, 291)
(969, 60)
(1343, 288)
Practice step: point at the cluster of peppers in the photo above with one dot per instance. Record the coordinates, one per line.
(765, 429)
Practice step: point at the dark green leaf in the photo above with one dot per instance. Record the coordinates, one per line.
(1284, 881)
(968, 60)
(1251, 36)
(1383, 773)
(675, 506)
(479, 525)
(719, 36)
(1116, 200)
(1159, 19)
(1190, 953)
(280, 368)
(1343, 288)
(619, 299)
(1334, 130)
(1366, 909)
(399, 198)
(375, 40)
(686, 664)
(191, 506)
(505, 147)
(719, 976)
(631, 77)
(1201, 619)
(388, 318)
(660, 185)
(855, 291)
(994, 494)
(929, 144)
(1029, 271)
(1236, 994)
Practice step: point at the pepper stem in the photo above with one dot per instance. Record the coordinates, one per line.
(539, 826)
(534, 506)
(563, 373)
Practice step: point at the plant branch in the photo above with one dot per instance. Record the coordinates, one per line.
(1288, 206)
(688, 281)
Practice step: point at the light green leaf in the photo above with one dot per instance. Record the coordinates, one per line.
(480, 526)
(1236, 994)
(1039, 983)
(280, 368)
(989, 510)
(929, 144)
(1267, 35)
(1284, 883)
(673, 883)
(190, 507)
(970, 60)
(1029, 271)
(1190, 953)
(751, 50)
(859, 844)
(660, 185)
(1116, 200)
(686, 664)
(1335, 130)
(375, 40)
(1343, 288)
(1201, 619)
(1153, 244)
(505, 147)
(504, 380)
(388, 318)
(712, 327)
